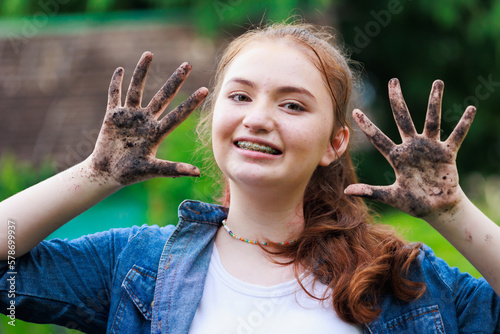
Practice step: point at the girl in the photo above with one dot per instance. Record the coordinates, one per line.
(293, 248)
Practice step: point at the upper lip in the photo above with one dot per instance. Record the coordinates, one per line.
(258, 141)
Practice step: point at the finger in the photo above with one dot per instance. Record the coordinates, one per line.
(136, 87)
(400, 111)
(373, 133)
(163, 97)
(376, 193)
(432, 126)
(458, 135)
(164, 168)
(179, 114)
(115, 89)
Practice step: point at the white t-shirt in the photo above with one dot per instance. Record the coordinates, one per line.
(231, 306)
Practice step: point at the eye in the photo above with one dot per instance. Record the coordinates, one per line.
(294, 106)
(239, 97)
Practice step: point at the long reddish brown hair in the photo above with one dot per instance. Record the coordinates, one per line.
(340, 244)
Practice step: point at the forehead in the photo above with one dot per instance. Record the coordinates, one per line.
(276, 61)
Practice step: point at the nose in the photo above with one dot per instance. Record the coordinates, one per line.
(259, 118)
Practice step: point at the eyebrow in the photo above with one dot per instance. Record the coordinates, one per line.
(293, 89)
(280, 90)
(243, 82)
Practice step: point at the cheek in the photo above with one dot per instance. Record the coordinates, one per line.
(317, 139)
(217, 147)
(221, 129)
(218, 122)
(216, 134)
(317, 133)
(223, 126)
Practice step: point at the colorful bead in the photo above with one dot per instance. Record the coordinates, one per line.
(252, 241)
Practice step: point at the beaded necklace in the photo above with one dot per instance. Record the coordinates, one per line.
(255, 242)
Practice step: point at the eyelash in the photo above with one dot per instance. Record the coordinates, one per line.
(234, 97)
(300, 107)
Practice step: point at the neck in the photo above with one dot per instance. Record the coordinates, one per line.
(273, 216)
(266, 216)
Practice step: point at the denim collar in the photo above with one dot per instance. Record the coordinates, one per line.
(183, 266)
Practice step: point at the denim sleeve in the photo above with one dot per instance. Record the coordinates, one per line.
(477, 306)
(65, 282)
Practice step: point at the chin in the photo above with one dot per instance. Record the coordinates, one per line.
(254, 179)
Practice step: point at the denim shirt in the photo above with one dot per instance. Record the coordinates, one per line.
(150, 279)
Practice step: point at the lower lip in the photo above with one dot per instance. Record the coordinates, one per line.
(257, 155)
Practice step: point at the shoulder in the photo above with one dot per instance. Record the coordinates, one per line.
(469, 300)
(452, 300)
(463, 288)
(145, 238)
(115, 239)
(434, 270)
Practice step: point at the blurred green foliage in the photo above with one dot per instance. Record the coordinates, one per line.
(208, 15)
(420, 41)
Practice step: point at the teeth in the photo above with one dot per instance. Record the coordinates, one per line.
(246, 145)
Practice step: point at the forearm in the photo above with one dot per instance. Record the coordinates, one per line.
(474, 235)
(41, 209)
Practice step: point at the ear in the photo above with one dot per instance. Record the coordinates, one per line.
(336, 147)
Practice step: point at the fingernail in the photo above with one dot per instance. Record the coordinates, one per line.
(394, 82)
(185, 64)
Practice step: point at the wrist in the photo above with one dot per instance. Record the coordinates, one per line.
(447, 215)
(87, 171)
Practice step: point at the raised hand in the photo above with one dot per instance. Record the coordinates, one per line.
(426, 173)
(130, 135)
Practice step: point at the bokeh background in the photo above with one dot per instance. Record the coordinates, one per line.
(57, 56)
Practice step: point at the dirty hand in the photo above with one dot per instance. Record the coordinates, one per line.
(426, 173)
(126, 148)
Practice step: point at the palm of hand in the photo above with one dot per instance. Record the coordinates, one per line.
(425, 168)
(129, 138)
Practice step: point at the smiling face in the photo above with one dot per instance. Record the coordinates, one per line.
(273, 118)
